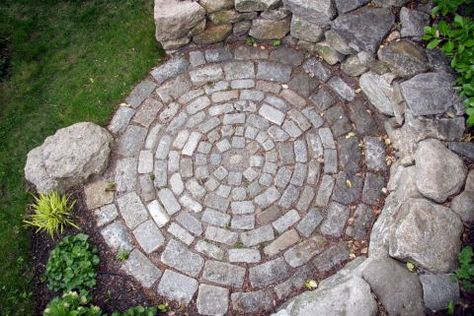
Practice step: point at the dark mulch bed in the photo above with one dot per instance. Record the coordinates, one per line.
(115, 290)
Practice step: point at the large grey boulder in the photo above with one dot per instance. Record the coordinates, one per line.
(176, 19)
(439, 172)
(364, 29)
(427, 234)
(430, 93)
(404, 58)
(68, 158)
(398, 290)
(321, 11)
(439, 290)
(344, 293)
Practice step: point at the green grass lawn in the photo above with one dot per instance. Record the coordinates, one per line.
(72, 61)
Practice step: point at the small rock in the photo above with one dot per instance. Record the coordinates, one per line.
(213, 34)
(329, 54)
(97, 194)
(404, 58)
(267, 29)
(413, 22)
(387, 278)
(463, 205)
(307, 31)
(439, 290)
(364, 29)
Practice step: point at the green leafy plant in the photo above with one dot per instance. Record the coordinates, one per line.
(451, 308)
(444, 7)
(71, 304)
(465, 271)
(138, 311)
(122, 255)
(72, 265)
(250, 41)
(455, 37)
(276, 42)
(51, 213)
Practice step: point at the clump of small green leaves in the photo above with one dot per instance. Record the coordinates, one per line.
(75, 304)
(454, 35)
(465, 271)
(276, 42)
(444, 7)
(250, 41)
(72, 265)
(51, 213)
(451, 308)
(122, 255)
(138, 311)
(71, 304)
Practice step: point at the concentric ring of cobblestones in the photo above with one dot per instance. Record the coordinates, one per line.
(240, 173)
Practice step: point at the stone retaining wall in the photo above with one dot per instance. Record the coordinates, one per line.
(429, 197)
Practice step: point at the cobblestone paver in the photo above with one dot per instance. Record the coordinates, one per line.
(238, 178)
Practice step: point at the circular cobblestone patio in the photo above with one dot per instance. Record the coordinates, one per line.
(242, 171)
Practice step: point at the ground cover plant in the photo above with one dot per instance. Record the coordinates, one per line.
(68, 61)
(72, 265)
(453, 33)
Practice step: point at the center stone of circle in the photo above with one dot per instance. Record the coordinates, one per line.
(236, 160)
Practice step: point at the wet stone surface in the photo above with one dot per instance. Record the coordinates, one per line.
(239, 178)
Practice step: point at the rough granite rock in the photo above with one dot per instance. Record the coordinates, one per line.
(305, 30)
(176, 19)
(255, 5)
(320, 12)
(413, 22)
(379, 91)
(329, 54)
(213, 34)
(344, 293)
(439, 172)
(430, 93)
(404, 58)
(69, 157)
(398, 289)
(353, 66)
(344, 6)
(364, 29)
(416, 129)
(463, 205)
(427, 234)
(439, 290)
(216, 5)
(263, 29)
